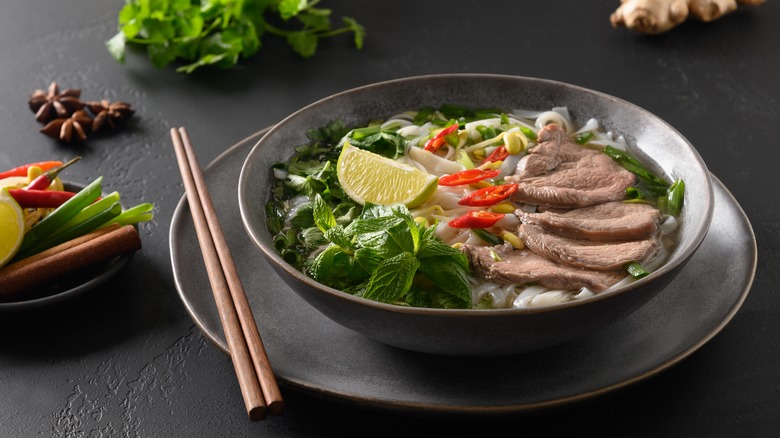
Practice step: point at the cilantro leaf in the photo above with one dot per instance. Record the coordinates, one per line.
(377, 140)
(303, 43)
(219, 32)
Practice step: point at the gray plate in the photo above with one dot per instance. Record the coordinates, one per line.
(311, 353)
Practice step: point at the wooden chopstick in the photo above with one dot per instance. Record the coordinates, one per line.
(253, 370)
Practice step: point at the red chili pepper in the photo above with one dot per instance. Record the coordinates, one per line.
(22, 170)
(499, 154)
(40, 198)
(44, 180)
(438, 140)
(488, 195)
(469, 176)
(476, 219)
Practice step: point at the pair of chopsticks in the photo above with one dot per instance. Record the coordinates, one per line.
(253, 370)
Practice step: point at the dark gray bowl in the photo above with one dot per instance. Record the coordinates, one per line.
(481, 332)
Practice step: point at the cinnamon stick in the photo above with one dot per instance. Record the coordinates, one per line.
(20, 277)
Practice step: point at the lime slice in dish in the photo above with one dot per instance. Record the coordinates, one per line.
(12, 226)
(369, 177)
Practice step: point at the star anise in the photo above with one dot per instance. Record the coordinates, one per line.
(53, 103)
(70, 129)
(109, 114)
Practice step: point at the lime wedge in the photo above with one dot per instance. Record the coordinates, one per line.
(12, 225)
(369, 177)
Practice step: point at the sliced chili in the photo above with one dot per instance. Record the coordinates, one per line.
(22, 170)
(438, 140)
(488, 196)
(499, 154)
(476, 219)
(469, 176)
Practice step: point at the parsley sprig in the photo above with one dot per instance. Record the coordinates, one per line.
(220, 32)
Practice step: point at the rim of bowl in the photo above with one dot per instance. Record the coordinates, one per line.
(680, 255)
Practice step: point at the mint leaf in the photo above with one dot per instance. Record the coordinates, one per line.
(414, 231)
(375, 210)
(449, 275)
(322, 268)
(392, 278)
(436, 248)
(374, 225)
(368, 259)
(433, 297)
(323, 216)
(389, 242)
(345, 213)
(337, 235)
(313, 237)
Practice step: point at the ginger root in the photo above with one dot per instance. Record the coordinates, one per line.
(657, 16)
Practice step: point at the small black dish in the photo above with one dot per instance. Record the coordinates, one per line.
(71, 285)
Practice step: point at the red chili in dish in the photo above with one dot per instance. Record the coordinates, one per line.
(469, 176)
(45, 179)
(438, 140)
(499, 154)
(40, 198)
(476, 219)
(22, 170)
(488, 195)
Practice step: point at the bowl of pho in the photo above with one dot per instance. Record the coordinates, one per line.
(475, 214)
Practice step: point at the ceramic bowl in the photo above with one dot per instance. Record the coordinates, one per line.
(481, 332)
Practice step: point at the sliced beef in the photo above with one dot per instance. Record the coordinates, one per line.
(523, 266)
(603, 222)
(554, 147)
(558, 172)
(587, 254)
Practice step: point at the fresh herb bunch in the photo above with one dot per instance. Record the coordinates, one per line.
(312, 169)
(385, 255)
(220, 32)
(378, 252)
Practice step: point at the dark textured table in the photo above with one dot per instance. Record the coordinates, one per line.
(128, 360)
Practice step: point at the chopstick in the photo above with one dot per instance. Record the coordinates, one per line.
(253, 370)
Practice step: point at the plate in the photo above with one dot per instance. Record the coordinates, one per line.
(69, 286)
(312, 354)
